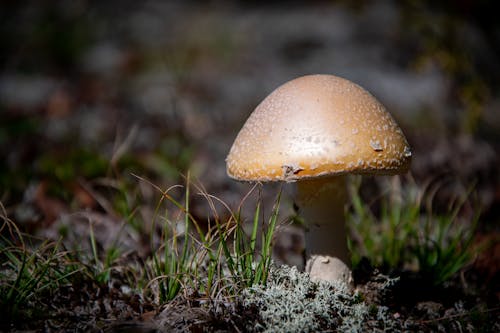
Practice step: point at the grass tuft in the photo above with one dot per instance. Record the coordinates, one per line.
(29, 274)
(408, 233)
(212, 262)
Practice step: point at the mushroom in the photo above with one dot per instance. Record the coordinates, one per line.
(314, 130)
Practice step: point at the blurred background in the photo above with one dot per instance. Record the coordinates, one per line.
(95, 92)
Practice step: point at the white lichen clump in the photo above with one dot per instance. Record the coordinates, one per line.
(291, 302)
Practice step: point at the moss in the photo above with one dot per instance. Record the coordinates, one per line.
(291, 302)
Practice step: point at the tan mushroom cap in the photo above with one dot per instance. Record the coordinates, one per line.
(318, 125)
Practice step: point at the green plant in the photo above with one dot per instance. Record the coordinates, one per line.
(246, 264)
(409, 233)
(28, 273)
(443, 243)
(219, 260)
(383, 239)
(102, 269)
(169, 266)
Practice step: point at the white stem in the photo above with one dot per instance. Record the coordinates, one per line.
(321, 204)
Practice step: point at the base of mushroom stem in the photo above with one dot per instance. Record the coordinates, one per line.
(327, 268)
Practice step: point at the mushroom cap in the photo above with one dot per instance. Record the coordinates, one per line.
(318, 125)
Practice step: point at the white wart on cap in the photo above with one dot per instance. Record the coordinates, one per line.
(318, 125)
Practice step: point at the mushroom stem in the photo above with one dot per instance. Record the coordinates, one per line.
(321, 204)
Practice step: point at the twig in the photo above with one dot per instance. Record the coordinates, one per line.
(468, 313)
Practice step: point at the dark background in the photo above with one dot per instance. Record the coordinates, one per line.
(101, 90)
